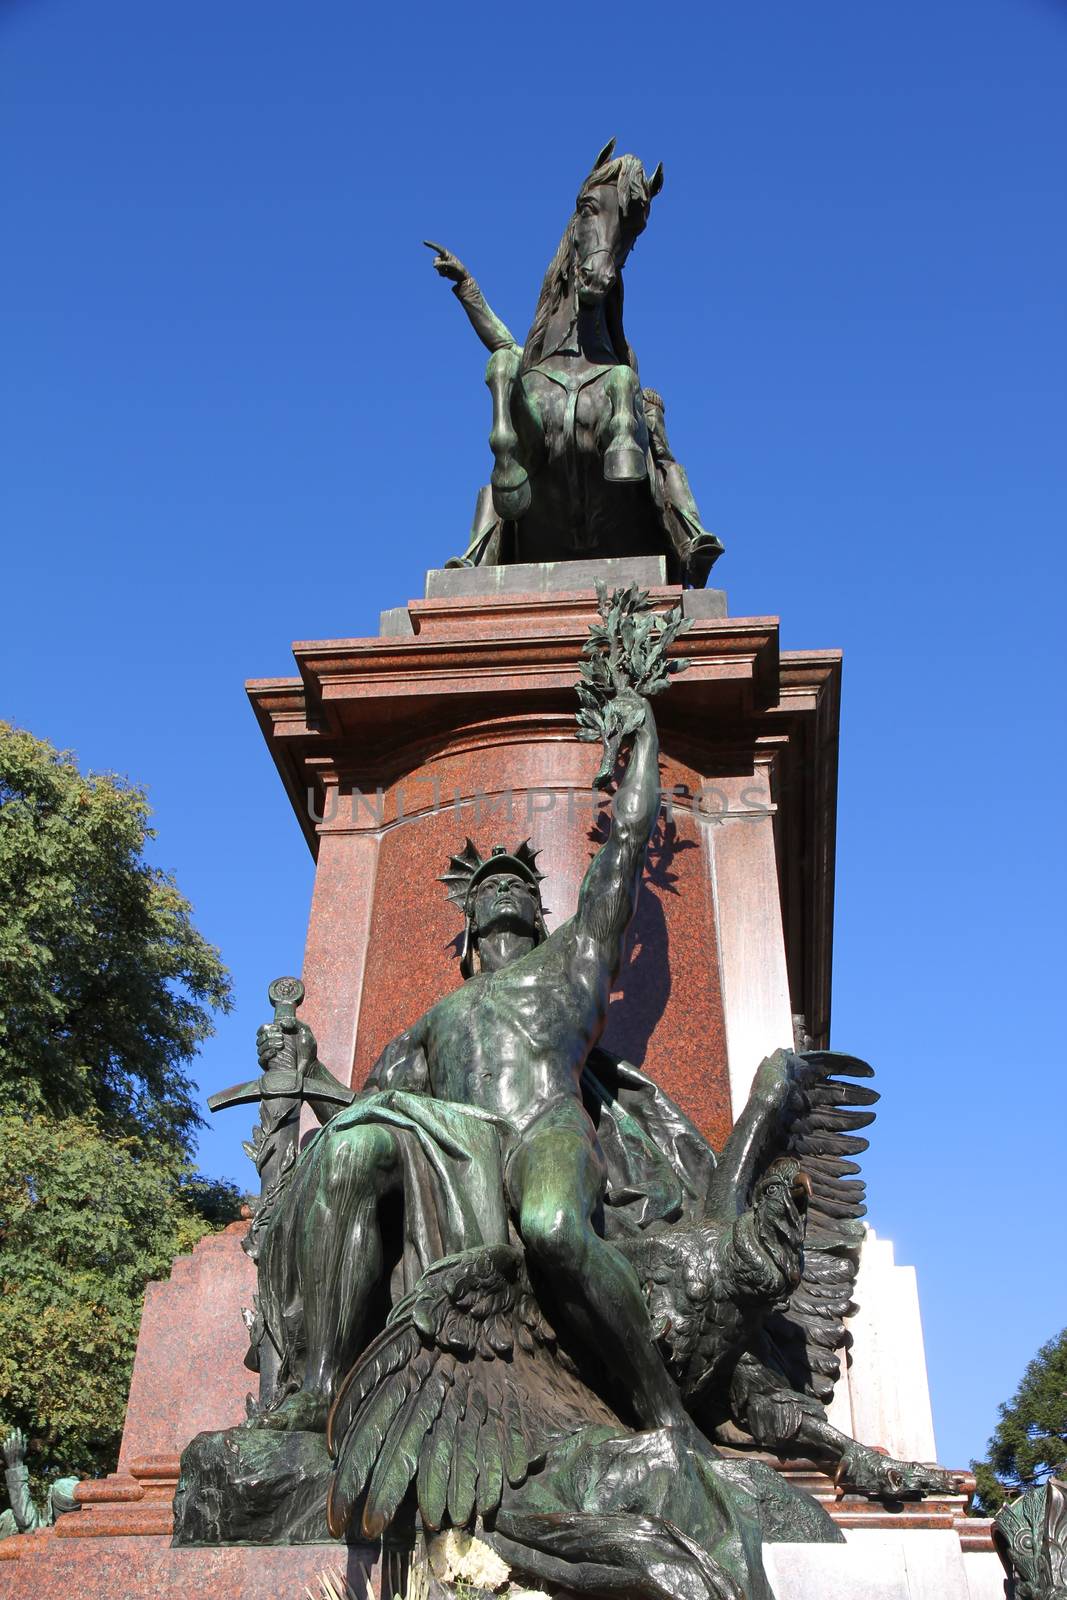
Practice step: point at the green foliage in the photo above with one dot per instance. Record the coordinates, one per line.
(86, 1221)
(105, 984)
(1029, 1443)
(105, 995)
(625, 655)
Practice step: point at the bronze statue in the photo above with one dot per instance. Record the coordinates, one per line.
(511, 1285)
(582, 463)
(1030, 1537)
(24, 1514)
(509, 1048)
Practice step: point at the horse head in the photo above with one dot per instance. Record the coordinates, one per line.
(586, 271)
(611, 210)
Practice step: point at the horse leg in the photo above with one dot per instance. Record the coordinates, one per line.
(624, 454)
(511, 486)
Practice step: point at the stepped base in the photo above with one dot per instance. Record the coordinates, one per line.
(118, 1547)
(527, 578)
(149, 1568)
(890, 1564)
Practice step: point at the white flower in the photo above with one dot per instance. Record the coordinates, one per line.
(456, 1555)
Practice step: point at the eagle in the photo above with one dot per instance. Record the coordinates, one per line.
(469, 1411)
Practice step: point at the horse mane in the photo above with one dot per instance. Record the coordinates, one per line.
(629, 176)
(554, 286)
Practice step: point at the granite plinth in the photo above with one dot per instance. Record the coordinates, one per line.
(118, 1546)
(904, 1564)
(545, 578)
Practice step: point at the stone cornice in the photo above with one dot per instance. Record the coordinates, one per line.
(480, 672)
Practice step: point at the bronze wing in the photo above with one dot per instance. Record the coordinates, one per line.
(460, 1396)
(804, 1339)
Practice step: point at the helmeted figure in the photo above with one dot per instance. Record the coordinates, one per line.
(467, 871)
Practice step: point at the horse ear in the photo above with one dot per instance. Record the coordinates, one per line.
(655, 183)
(605, 155)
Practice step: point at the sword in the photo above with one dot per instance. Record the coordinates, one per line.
(279, 1091)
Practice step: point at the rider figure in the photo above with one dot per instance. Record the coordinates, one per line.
(588, 346)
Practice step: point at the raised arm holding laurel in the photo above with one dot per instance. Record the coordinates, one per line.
(510, 1047)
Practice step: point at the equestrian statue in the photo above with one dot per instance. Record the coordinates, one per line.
(582, 465)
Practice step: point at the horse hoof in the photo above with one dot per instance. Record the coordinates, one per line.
(625, 463)
(512, 503)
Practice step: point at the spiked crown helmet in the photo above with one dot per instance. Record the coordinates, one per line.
(468, 869)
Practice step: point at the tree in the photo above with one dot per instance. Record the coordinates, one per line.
(85, 1222)
(105, 984)
(106, 990)
(1029, 1443)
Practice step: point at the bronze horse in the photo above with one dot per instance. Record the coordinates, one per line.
(582, 467)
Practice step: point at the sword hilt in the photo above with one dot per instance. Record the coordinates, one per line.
(285, 994)
(311, 1081)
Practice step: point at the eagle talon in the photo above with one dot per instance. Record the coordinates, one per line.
(865, 1470)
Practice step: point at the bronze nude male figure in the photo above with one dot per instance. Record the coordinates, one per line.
(510, 1286)
(24, 1514)
(504, 1053)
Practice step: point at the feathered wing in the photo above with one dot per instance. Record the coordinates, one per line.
(460, 1396)
(805, 1339)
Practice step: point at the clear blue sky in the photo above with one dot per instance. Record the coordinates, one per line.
(239, 409)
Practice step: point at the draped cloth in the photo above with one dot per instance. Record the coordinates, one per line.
(658, 1163)
(608, 1500)
(452, 1164)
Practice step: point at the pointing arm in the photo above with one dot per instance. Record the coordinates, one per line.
(483, 319)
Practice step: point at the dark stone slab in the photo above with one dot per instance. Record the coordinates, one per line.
(549, 577)
(253, 1486)
(701, 604)
(544, 577)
